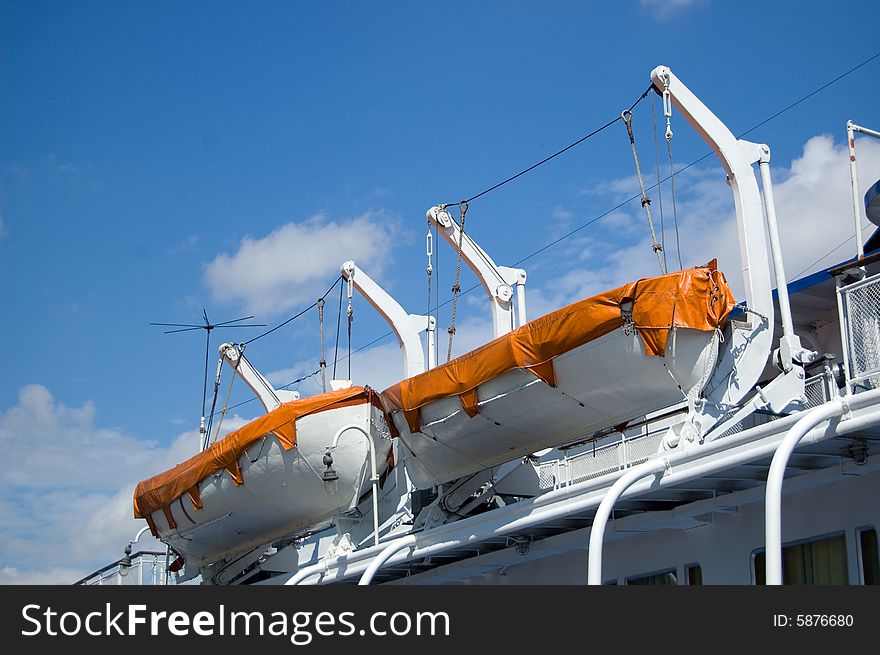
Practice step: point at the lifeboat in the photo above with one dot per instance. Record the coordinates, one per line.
(599, 362)
(266, 479)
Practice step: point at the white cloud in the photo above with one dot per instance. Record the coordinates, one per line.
(289, 266)
(663, 8)
(813, 205)
(9, 575)
(66, 500)
(187, 244)
(562, 214)
(620, 220)
(814, 208)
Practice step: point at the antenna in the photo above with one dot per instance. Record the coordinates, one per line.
(207, 327)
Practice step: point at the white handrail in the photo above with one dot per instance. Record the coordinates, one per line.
(597, 532)
(773, 493)
(395, 546)
(374, 480)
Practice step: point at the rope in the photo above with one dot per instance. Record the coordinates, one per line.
(462, 208)
(627, 116)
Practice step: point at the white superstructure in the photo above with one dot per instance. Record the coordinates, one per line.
(740, 456)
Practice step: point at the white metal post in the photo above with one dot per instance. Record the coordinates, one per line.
(791, 346)
(521, 316)
(851, 129)
(854, 183)
(597, 532)
(773, 493)
(374, 479)
(432, 342)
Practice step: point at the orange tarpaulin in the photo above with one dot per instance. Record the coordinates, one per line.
(696, 298)
(161, 490)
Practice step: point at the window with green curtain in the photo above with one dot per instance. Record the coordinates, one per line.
(817, 562)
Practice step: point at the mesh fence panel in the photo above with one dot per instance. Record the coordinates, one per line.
(640, 449)
(592, 464)
(816, 391)
(863, 332)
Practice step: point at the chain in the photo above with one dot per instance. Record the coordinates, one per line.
(456, 288)
(627, 117)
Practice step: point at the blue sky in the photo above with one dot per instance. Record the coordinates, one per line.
(158, 158)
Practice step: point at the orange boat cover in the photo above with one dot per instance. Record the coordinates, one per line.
(161, 490)
(696, 298)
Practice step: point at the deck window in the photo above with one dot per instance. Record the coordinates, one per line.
(870, 561)
(660, 578)
(816, 562)
(693, 574)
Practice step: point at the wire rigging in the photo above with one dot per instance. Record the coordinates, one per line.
(583, 225)
(558, 152)
(659, 186)
(213, 401)
(696, 161)
(207, 326)
(674, 209)
(322, 363)
(295, 316)
(286, 386)
(350, 314)
(833, 250)
(810, 94)
(225, 404)
(338, 322)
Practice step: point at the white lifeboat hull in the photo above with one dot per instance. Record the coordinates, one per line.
(283, 492)
(602, 383)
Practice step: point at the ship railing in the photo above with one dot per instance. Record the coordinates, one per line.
(631, 450)
(146, 568)
(859, 305)
(599, 460)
